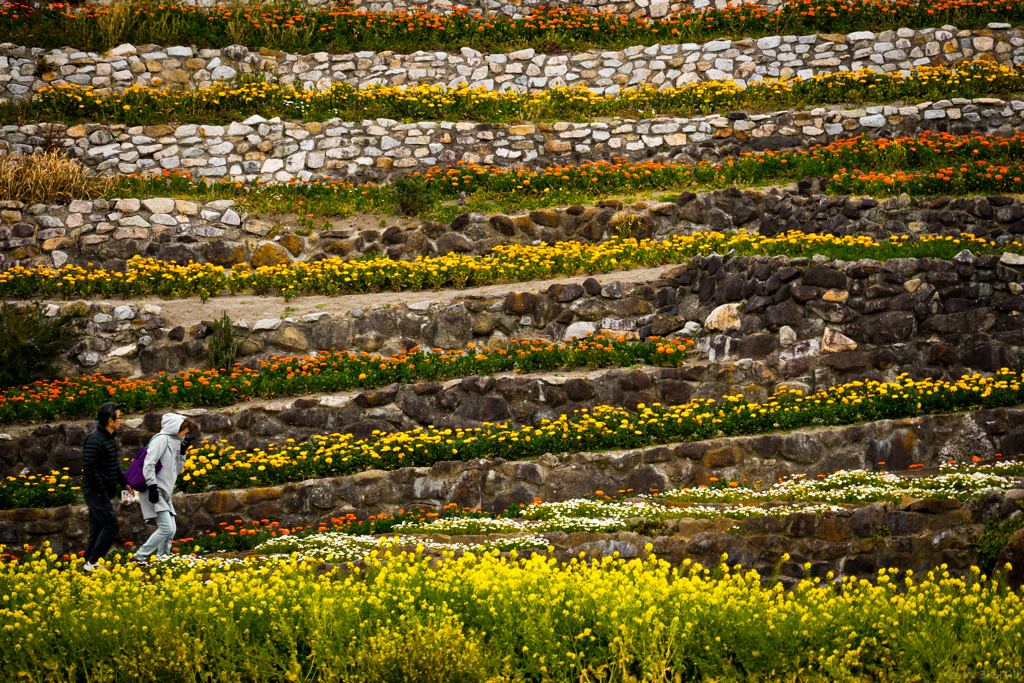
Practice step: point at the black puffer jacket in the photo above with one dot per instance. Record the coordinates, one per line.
(101, 467)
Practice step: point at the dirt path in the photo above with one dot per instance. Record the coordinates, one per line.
(250, 307)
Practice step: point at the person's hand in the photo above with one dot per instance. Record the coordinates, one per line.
(131, 491)
(154, 494)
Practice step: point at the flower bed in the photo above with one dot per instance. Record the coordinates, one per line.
(954, 481)
(843, 161)
(334, 276)
(603, 512)
(226, 102)
(476, 616)
(38, 490)
(337, 30)
(225, 467)
(978, 177)
(323, 372)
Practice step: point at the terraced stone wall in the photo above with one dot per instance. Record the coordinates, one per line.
(926, 316)
(521, 8)
(24, 70)
(275, 150)
(921, 533)
(764, 323)
(470, 401)
(109, 232)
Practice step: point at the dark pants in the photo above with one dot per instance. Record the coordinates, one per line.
(103, 526)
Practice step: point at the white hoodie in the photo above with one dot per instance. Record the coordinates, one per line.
(164, 448)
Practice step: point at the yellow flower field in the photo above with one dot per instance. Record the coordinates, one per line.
(482, 617)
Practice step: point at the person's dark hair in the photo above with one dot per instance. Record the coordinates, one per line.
(108, 411)
(188, 424)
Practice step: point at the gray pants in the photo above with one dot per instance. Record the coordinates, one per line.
(161, 540)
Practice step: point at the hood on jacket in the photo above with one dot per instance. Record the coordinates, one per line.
(170, 425)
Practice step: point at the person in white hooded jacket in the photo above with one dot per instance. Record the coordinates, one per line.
(167, 448)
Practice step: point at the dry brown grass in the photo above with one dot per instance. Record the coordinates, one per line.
(48, 178)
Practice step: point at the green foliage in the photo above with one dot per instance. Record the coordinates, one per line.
(223, 344)
(410, 196)
(30, 343)
(880, 535)
(993, 539)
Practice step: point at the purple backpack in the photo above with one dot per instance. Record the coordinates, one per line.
(134, 475)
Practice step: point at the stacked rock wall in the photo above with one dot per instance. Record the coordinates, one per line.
(275, 150)
(766, 323)
(520, 8)
(772, 309)
(106, 233)
(24, 71)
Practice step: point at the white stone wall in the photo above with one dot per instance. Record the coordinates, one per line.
(746, 61)
(275, 150)
(520, 8)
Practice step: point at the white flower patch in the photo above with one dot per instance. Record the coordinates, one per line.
(857, 486)
(336, 546)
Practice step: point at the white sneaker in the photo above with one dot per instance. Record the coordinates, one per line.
(90, 567)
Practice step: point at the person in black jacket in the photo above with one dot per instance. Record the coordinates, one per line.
(102, 479)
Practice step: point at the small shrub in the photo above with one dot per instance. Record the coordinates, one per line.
(48, 178)
(993, 539)
(30, 342)
(223, 345)
(411, 196)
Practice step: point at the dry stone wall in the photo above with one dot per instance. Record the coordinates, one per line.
(278, 151)
(521, 8)
(763, 324)
(24, 71)
(772, 309)
(106, 233)
(921, 533)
